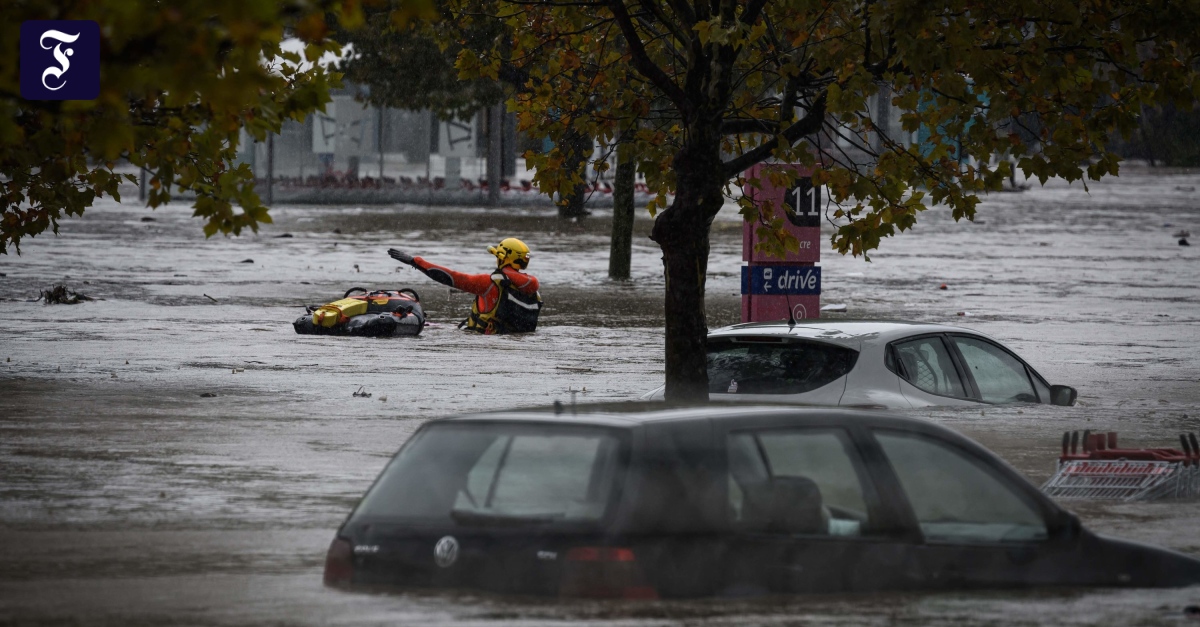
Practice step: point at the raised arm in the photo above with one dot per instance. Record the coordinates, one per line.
(473, 283)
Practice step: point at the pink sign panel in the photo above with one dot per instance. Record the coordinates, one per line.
(756, 308)
(800, 207)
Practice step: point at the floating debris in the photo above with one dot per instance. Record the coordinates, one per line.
(208, 395)
(362, 393)
(148, 219)
(834, 307)
(247, 261)
(383, 399)
(60, 295)
(210, 298)
(284, 235)
(237, 370)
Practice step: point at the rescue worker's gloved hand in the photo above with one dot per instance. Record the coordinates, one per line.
(401, 256)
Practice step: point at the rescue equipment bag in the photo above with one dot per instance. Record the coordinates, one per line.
(515, 311)
(338, 312)
(379, 313)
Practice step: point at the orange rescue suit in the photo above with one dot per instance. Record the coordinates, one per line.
(486, 288)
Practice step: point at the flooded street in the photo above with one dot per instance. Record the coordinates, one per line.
(173, 453)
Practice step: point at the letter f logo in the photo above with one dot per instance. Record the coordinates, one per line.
(60, 60)
(60, 55)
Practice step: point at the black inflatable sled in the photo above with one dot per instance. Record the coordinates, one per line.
(381, 313)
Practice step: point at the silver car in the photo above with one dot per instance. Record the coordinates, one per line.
(894, 365)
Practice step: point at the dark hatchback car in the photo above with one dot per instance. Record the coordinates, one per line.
(717, 501)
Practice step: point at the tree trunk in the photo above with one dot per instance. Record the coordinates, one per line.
(578, 149)
(510, 144)
(620, 254)
(682, 233)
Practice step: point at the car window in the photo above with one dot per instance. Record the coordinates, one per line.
(955, 497)
(542, 475)
(796, 482)
(925, 363)
(456, 473)
(1000, 377)
(773, 367)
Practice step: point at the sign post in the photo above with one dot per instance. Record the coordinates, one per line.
(771, 286)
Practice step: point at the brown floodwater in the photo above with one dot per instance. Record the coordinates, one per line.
(173, 453)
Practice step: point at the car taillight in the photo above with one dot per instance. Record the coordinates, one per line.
(604, 572)
(339, 563)
(600, 554)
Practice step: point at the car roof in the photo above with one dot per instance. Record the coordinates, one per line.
(630, 414)
(843, 332)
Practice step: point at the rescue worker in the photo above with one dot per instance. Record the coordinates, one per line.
(506, 301)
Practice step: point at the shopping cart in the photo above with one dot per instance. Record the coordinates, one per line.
(1102, 470)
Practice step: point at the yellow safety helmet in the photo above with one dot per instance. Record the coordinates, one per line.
(510, 252)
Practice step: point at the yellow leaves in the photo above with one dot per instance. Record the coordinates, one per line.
(714, 32)
(757, 31)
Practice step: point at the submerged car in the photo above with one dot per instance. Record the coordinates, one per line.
(717, 500)
(884, 365)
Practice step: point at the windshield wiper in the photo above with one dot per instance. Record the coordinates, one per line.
(467, 517)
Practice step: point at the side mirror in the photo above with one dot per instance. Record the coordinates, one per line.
(1064, 395)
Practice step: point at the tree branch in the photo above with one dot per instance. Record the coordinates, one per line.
(749, 125)
(680, 35)
(812, 122)
(753, 10)
(643, 64)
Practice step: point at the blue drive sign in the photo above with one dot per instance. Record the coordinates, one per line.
(789, 280)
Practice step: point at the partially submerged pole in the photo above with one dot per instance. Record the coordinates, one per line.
(380, 143)
(270, 169)
(495, 152)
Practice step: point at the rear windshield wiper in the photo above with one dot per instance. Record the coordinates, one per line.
(481, 519)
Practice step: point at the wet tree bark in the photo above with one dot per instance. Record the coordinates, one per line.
(578, 149)
(682, 232)
(620, 254)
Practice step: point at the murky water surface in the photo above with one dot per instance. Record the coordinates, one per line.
(143, 480)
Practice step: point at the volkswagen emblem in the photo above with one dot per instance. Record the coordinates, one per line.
(445, 552)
